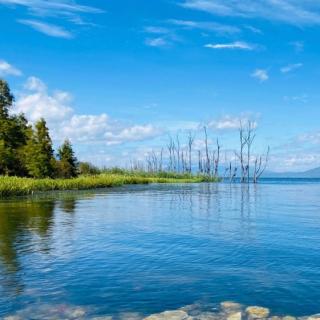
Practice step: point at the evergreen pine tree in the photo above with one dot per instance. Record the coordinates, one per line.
(67, 166)
(39, 152)
(6, 99)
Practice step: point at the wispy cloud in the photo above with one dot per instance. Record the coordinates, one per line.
(303, 98)
(228, 122)
(291, 67)
(204, 25)
(157, 42)
(156, 30)
(52, 7)
(311, 137)
(68, 10)
(288, 11)
(6, 69)
(47, 29)
(234, 45)
(260, 74)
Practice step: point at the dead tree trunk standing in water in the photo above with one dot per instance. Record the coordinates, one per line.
(260, 167)
(190, 144)
(250, 136)
(207, 162)
(243, 143)
(217, 160)
(247, 136)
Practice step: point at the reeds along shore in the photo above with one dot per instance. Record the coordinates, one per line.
(16, 186)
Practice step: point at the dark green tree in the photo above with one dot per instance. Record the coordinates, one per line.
(67, 165)
(40, 161)
(13, 134)
(6, 99)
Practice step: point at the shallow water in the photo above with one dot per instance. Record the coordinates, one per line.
(146, 249)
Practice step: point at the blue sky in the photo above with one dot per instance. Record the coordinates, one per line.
(116, 77)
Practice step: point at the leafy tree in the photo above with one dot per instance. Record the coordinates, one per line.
(6, 99)
(67, 165)
(13, 134)
(87, 168)
(39, 152)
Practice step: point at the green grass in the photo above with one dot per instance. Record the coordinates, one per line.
(15, 186)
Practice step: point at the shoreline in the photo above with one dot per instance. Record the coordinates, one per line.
(16, 186)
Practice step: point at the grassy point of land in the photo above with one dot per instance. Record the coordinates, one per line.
(16, 186)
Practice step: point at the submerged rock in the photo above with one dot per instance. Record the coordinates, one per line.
(230, 306)
(169, 315)
(235, 316)
(258, 312)
(130, 316)
(314, 317)
(208, 316)
(289, 318)
(76, 313)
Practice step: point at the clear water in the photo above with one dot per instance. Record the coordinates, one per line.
(152, 248)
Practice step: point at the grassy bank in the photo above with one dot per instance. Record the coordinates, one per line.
(14, 186)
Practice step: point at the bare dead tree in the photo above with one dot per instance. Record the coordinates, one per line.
(241, 155)
(200, 168)
(161, 160)
(191, 138)
(260, 165)
(250, 136)
(213, 161)
(207, 164)
(217, 160)
(171, 148)
(178, 151)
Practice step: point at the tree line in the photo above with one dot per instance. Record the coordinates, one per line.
(26, 150)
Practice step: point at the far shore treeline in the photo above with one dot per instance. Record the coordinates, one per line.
(26, 150)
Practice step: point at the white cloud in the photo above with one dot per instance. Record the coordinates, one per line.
(37, 103)
(7, 69)
(234, 45)
(63, 122)
(294, 162)
(254, 29)
(231, 123)
(208, 26)
(289, 11)
(69, 10)
(156, 30)
(47, 29)
(52, 7)
(311, 137)
(260, 74)
(303, 98)
(291, 67)
(157, 42)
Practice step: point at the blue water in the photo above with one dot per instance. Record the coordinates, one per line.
(152, 248)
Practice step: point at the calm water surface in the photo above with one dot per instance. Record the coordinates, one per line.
(152, 248)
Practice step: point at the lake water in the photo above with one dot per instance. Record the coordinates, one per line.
(146, 249)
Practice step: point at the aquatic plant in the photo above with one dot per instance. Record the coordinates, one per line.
(16, 186)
